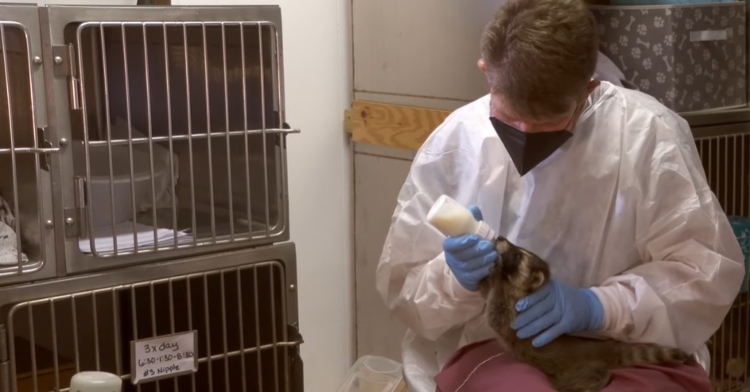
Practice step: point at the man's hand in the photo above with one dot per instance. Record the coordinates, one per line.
(557, 309)
(469, 256)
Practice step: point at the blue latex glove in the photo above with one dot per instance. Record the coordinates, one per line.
(557, 309)
(470, 257)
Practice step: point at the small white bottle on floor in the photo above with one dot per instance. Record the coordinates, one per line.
(95, 382)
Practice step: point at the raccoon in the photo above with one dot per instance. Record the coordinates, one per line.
(572, 364)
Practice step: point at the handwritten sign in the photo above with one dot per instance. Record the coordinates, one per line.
(164, 356)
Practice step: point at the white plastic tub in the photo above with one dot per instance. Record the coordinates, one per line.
(374, 374)
(100, 179)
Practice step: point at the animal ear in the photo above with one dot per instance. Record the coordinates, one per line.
(537, 280)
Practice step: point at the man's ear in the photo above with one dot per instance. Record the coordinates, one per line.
(591, 86)
(482, 65)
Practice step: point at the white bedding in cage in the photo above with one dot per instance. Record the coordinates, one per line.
(9, 246)
(103, 240)
(8, 237)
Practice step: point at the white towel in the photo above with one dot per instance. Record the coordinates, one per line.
(9, 247)
(125, 240)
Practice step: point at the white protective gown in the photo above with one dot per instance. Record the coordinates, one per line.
(623, 206)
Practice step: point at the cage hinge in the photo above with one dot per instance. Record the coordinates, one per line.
(4, 361)
(63, 57)
(75, 218)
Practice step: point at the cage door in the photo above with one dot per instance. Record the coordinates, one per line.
(26, 151)
(178, 137)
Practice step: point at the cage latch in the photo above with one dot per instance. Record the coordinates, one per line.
(46, 147)
(65, 65)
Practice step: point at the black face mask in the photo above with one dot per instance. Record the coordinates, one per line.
(528, 149)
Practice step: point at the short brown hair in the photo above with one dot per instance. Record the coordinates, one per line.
(540, 54)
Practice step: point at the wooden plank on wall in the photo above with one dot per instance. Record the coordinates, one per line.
(388, 125)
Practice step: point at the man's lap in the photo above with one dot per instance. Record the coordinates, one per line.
(482, 366)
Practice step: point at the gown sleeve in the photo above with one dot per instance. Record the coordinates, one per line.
(412, 276)
(691, 268)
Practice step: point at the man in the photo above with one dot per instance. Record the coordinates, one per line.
(601, 181)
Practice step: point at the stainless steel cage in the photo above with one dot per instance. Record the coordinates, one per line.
(725, 152)
(142, 155)
(132, 137)
(243, 309)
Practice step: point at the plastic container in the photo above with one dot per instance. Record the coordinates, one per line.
(452, 219)
(100, 181)
(95, 382)
(374, 374)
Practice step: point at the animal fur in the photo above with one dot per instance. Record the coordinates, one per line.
(572, 364)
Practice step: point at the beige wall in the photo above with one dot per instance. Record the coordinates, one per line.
(418, 52)
(378, 174)
(405, 52)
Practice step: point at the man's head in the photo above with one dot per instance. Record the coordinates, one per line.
(539, 57)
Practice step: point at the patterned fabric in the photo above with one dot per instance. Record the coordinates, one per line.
(688, 57)
(9, 246)
(8, 237)
(6, 213)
